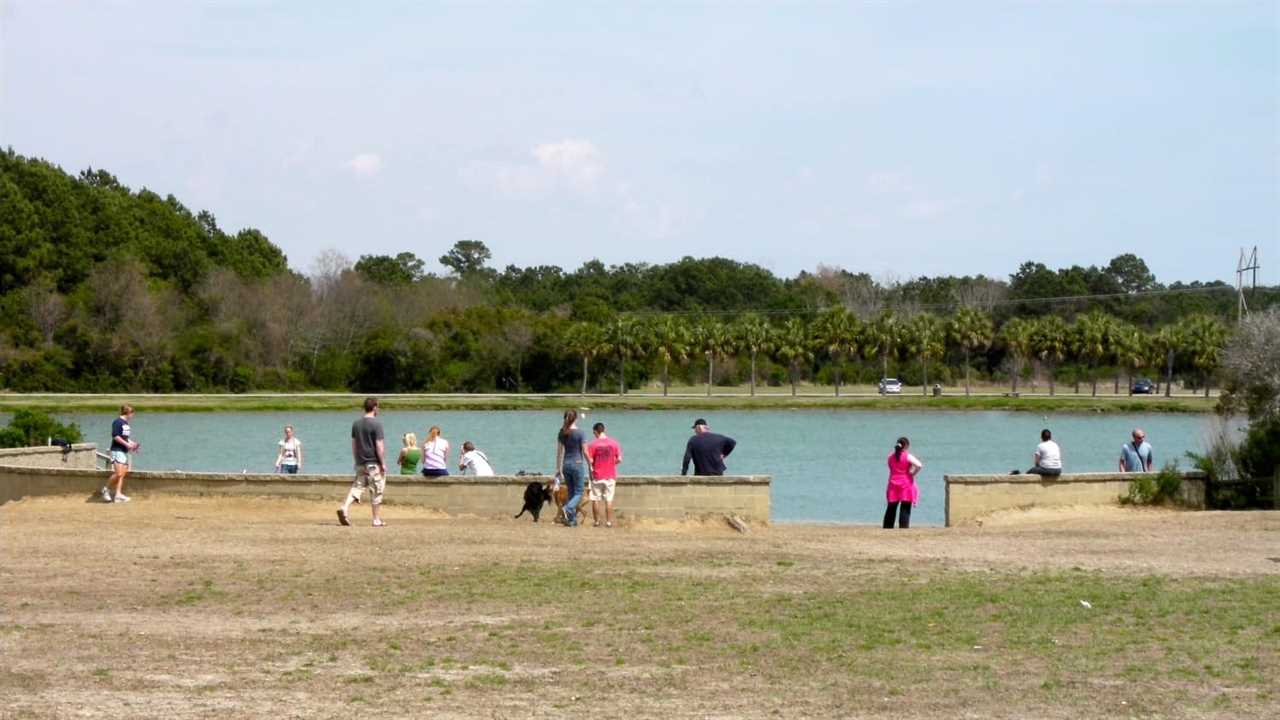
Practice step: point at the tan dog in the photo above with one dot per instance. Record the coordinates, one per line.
(561, 495)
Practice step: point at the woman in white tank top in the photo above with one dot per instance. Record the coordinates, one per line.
(435, 454)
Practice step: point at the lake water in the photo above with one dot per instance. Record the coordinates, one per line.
(827, 466)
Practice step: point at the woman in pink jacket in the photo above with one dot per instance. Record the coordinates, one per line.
(902, 492)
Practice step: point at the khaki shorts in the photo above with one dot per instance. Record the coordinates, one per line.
(370, 476)
(602, 490)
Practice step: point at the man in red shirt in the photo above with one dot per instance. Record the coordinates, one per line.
(605, 455)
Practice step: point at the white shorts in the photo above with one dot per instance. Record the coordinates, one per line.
(119, 458)
(602, 490)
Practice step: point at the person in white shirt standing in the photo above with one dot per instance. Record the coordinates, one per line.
(1048, 456)
(289, 457)
(475, 461)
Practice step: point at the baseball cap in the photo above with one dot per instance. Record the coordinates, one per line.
(698, 422)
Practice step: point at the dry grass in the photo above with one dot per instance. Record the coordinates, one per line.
(185, 607)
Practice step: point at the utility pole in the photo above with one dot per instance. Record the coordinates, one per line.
(1245, 265)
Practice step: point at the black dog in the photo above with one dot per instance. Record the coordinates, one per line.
(535, 495)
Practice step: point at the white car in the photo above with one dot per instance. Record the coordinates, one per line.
(890, 386)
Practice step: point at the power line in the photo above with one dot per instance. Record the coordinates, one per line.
(1062, 299)
(1242, 267)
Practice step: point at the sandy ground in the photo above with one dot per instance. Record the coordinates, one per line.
(191, 607)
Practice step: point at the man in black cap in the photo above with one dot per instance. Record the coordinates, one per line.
(707, 450)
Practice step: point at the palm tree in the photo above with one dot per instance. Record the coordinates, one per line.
(793, 345)
(836, 332)
(1130, 350)
(1090, 336)
(587, 341)
(670, 340)
(882, 337)
(1166, 342)
(1016, 335)
(1050, 339)
(712, 338)
(753, 334)
(1118, 341)
(971, 329)
(625, 337)
(927, 340)
(1203, 338)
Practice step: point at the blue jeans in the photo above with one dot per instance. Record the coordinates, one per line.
(572, 473)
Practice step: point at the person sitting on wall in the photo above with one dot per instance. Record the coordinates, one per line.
(474, 461)
(1048, 456)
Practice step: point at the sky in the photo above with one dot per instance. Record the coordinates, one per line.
(898, 139)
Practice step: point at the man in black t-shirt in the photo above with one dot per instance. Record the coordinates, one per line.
(707, 450)
(369, 452)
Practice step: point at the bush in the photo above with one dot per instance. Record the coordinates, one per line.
(1259, 454)
(1162, 488)
(1169, 484)
(32, 428)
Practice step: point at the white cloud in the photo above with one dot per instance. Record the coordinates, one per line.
(366, 164)
(923, 210)
(577, 161)
(892, 182)
(573, 164)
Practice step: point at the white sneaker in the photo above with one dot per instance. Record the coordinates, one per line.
(106, 494)
(121, 497)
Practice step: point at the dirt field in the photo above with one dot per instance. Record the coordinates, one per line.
(187, 607)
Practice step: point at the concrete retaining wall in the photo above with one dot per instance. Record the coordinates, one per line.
(969, 497)
(671, 497)
(80, 456)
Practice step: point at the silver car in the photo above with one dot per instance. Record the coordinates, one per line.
(890, 386)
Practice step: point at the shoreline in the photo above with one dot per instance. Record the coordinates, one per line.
(857, 402)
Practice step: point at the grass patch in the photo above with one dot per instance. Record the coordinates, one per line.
(203, 592)
(695, 623)
(972, 625)
(725, 399)
(487, 681)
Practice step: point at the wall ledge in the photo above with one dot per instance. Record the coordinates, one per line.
(41, 450)
(28, 472)
(1064, 479)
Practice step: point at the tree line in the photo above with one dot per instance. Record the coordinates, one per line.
(107, 289)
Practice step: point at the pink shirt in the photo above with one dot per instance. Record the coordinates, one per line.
(605, 454)
(902, 487)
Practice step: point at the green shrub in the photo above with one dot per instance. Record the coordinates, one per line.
(30, 428)
(1142, 491)
(1168, 483)
(1159, 489)
(1259, 454)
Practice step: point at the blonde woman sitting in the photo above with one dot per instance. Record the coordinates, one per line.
(410, 455)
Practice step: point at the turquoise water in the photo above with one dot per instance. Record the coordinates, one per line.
(827, 466)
